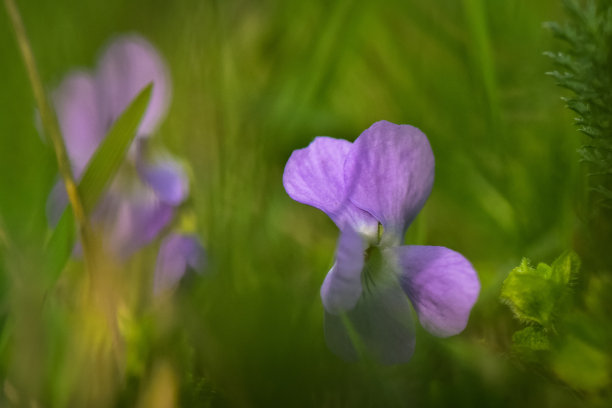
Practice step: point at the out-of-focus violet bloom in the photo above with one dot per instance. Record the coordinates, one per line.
(142, 199)
(373, 189)
(178, 253)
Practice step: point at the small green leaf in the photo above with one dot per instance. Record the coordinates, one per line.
(565, 268)
(537, 295)
(529, 294)
(101, 168)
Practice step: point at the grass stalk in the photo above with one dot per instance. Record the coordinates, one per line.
(52, 131)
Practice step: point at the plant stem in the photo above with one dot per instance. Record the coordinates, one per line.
(52, 130)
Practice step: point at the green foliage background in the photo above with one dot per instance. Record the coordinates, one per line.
(254, 80)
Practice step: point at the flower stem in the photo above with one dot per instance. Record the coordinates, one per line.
(51, 129)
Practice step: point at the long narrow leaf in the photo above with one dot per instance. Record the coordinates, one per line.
(109, 156)
(60, 245)
(100, 171)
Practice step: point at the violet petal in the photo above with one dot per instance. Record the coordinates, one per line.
(128, 65)
(342, 285)
(167, 177)
(131, 220)
(177, 253)
(382, 327)
(389, 173)
(442, 285)
(78, 112)
(314, 176)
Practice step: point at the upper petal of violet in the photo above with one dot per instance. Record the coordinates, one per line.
(442, 285)
(389, 173)
(77, 106)
(342, 285)
(314, 176)
(128, 65)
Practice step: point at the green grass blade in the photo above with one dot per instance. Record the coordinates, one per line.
(109, 156)
(59, 246)
(101, 168)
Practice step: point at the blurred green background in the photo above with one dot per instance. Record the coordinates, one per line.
(254, 80)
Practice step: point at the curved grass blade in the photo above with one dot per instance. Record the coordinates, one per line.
(109, 156)
(50, 125)
(99, 172)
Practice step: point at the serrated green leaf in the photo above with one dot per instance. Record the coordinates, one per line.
(537, 295)
(589, 36)
(565, 268)
(101, 168)
(529, 293)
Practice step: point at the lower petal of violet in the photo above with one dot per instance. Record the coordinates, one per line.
(177, 254)
(380, 327)
(167, 178)
(130, 222)
(442, 285)
(342, 285)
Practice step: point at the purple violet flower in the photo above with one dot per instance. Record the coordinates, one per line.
(142, 199)
(373, 189)
(177, 253)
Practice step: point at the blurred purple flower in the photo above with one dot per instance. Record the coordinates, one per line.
(373, 189)
(177, 254)
(141, 201)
